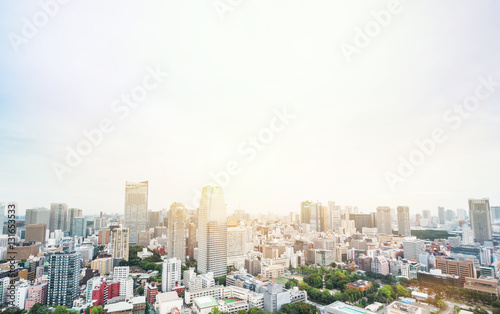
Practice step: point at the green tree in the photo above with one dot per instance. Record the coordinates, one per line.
(97, 310)
(61, 310)
(39, 308)
(215, 310)
(13, 310)
(440, 304)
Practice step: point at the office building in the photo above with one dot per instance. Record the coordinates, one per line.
(36, 216)
(449, 266)
(412, 248)
(363, 221)
(58, 217)
(384, 220)
(480, 219)
(64, 277)
(120, 243)
(104, 236)
(170, 274)
(136, 208)
(441, 215)
(36, 233)
(177, 232)
(236, 242)
(72, 214)
(79, 227)
(154, 218)
(404, 221)
(212, 232)
(192, 240)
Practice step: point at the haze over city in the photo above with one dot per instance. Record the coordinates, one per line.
(353, 117)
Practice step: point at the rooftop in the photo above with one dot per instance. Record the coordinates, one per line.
(206, 301)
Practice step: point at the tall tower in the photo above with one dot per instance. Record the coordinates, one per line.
(170, 274)
(64, 278)
(192, 240)
(480, 219)
(404, 221)
(441, 215)
(120, 242)
(136, 208)
(384, 220)
(177, 232)
(212, 232)
(73, 213)
(58, 217)
(305, 212)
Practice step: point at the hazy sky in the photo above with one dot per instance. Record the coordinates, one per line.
(228, 73)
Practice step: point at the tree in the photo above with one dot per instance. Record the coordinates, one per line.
(440, 304)
(97, 310)
(39, 308)
(13, 310)
(215, 310)
(221, 280)
(61, 310)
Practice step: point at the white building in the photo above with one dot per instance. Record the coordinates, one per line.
(212, 232)
(122, 275)
(236, 246)
(195, 282)
(166, 301)
(170, 274)
(177, 232)
(136, 208)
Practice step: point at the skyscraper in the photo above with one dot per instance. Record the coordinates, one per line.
(170, 274)
(333, 215)
(154, 218)
(460, 214)
(441, 215)
(384, 220)
(177, 232)
(79, 227)
(120, 242)
(64, 277)
(37, 215)
(192, 240)
(73, 213)
(305, 212)
(495, 214)
(426, 214)
(2, 216)
(136, 208)
(212, 232)
(480, 219)
(58, 217)
(404, 221)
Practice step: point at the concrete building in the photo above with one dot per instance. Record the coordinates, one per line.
(120, 242)
(342, 308)
(58, 217)
(136, 208)
(412, 248)
(452, 267)
(212, 232)
(36, 216)
(167, 301)
(72, 214)
(64, 277)
(480, 218)
(384, 220)
(404, 221)
(171, 274)
(177, 232)
(36, 233)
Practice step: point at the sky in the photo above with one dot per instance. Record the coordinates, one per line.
(363, 103)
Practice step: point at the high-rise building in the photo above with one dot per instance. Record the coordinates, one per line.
(384, 220)
(441, 215)
(120, 242)
(305, 212)
(154, 218)
(363, 221)
(58, 217)
(36, 233)
(480, 219)
(467, 235)
(426, 214)
(2, 216)
(104, 236)
(212, 232)
(37, 215)
(450, 215)
(64, 277)
(450, 266)
(333, 215)
(177, 232)
(192, 240)
(170, 274)
(136, 208)
(236, 243)
(495, 214)
(99, 223)
(404, 221)
(324, 219)
(460, 214)
(122, 275)
(79, 227)
(72, 214)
